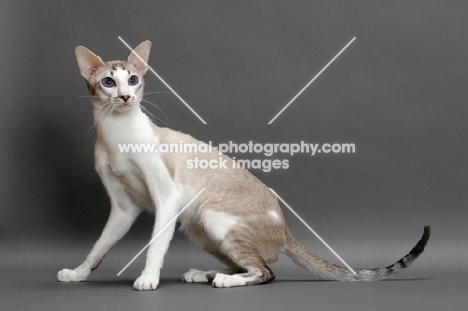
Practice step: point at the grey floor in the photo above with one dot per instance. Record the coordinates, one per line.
(28, 282)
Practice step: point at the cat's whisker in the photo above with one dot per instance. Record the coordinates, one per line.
(100, 116)
(110, 111)
(91, 96)
(152, 115)
(153, 104)
(102, 107)
(161, 92)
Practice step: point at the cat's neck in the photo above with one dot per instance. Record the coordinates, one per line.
(132, 126)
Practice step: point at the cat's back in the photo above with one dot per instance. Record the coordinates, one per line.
(233, 182)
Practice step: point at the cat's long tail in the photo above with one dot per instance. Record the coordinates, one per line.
(329, 271)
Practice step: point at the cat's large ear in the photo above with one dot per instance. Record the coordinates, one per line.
(143, 50)
(87, 61)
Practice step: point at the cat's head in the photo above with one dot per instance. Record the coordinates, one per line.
(117, 85)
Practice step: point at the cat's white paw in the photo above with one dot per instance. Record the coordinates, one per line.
(222, 280)
(67, 275)
(194, 275)
(146, 283)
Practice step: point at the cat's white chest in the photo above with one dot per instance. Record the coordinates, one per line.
(131, 171)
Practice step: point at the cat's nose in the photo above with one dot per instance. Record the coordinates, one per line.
(124, 97)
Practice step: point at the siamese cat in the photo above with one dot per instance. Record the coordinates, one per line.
(237, 218)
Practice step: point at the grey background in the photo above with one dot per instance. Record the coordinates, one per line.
(398, 92)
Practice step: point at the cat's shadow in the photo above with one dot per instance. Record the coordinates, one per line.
(318, 281)
(129, 282)
(169, 282)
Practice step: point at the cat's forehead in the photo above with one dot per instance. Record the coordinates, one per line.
(115, 66)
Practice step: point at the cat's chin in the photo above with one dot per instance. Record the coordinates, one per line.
(123, 108)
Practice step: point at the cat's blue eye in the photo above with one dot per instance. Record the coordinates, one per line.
(108, 82)
(133, 80)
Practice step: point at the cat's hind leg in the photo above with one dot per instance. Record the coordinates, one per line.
(255, 272)
(253, 276)
(198, 276)
(247, 243)
(251, 265)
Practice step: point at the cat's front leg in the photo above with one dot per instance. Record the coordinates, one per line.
(163, 232)
(122, 216)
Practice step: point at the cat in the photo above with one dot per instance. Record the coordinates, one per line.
(237, 218)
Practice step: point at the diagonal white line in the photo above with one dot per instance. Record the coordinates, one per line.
(313, 79)
(162, 80)
(313, 231)
(162, 230)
